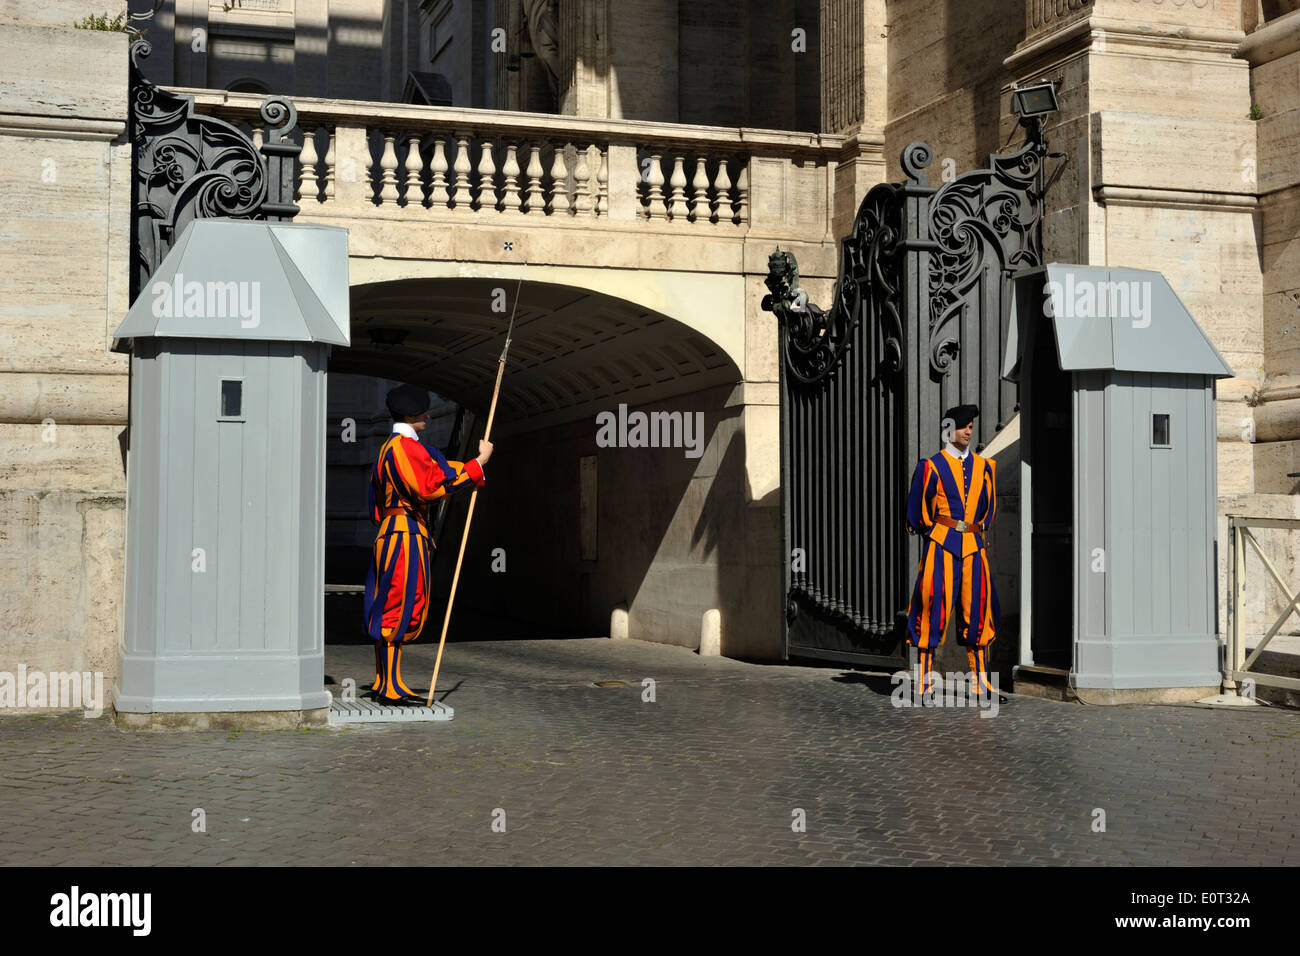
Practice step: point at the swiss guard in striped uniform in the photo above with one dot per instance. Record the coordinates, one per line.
(407, 476)
(951, 504)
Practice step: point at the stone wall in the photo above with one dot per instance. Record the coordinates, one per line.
(63, 396)
(946, 79)
(662, 535)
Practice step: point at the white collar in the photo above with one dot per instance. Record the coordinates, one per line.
(951, 449)
(401, 428)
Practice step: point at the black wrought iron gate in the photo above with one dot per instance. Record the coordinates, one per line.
(917, 324)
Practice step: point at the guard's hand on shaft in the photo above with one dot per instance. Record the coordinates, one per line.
(484, 451)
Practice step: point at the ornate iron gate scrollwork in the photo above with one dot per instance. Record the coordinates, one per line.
(189, 166)
(917, 324)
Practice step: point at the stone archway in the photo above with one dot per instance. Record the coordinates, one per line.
(583, 529)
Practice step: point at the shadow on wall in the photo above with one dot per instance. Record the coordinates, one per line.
(982, 34)
(745, 537)
(668, 536)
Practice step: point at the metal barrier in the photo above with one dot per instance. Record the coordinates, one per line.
(1239, 665)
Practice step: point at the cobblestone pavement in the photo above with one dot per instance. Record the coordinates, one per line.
(712, 771)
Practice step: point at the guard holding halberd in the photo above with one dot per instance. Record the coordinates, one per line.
(407, 476)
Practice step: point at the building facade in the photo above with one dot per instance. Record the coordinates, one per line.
(641, 159)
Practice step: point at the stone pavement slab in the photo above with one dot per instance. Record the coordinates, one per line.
(731, 763)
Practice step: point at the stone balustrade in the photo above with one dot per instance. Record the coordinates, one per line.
(439, 162)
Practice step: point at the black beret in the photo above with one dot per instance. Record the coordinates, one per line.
(961, 415)
(407, 401)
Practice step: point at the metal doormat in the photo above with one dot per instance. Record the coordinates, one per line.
(362, 711)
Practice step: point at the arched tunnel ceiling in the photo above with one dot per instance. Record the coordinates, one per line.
(573, 352)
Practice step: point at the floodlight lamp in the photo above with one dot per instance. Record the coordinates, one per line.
(1037, 100)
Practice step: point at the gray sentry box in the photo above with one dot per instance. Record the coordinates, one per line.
(1118, 496)
(226, 470)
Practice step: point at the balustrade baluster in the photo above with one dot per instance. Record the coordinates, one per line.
(655, 181)
(329, 166)
(438, 170)
(559, 184)
(510, 201)
(536, 202)
(388, 171)
(677, 201)
(582, 185)
(414, 169)
(602, 184)
(308, 187)
(487, 187)
(460, 194)
(700, 203)
(721, 205)
(741, 205)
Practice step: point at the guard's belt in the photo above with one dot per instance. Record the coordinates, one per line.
(961, 526)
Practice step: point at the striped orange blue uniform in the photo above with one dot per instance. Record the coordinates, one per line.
(405, 478)
(954, 565)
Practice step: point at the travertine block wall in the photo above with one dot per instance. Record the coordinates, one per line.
(1171, 175)
(946, 78)
(854, 86)
(63, 287)
(1274, 53)
(1161, 172)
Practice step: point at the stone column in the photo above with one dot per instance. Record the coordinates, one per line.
(853, 101)
(584, 58)
(1273, 52)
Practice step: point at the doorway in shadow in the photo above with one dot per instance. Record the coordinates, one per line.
(1050, 454)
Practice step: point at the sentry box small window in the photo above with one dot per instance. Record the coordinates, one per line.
(231, 400)
(1160, 430)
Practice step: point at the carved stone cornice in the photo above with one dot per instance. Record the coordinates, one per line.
(1155, 38)
(1272, 41)
(59, 127)
(1042, 16)
(1174, 198)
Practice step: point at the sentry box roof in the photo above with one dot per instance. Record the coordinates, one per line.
(1127, 320)
(240, 279)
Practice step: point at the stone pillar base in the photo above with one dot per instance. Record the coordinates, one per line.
(1052, 683)
(225, 720)
(1143, 695)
